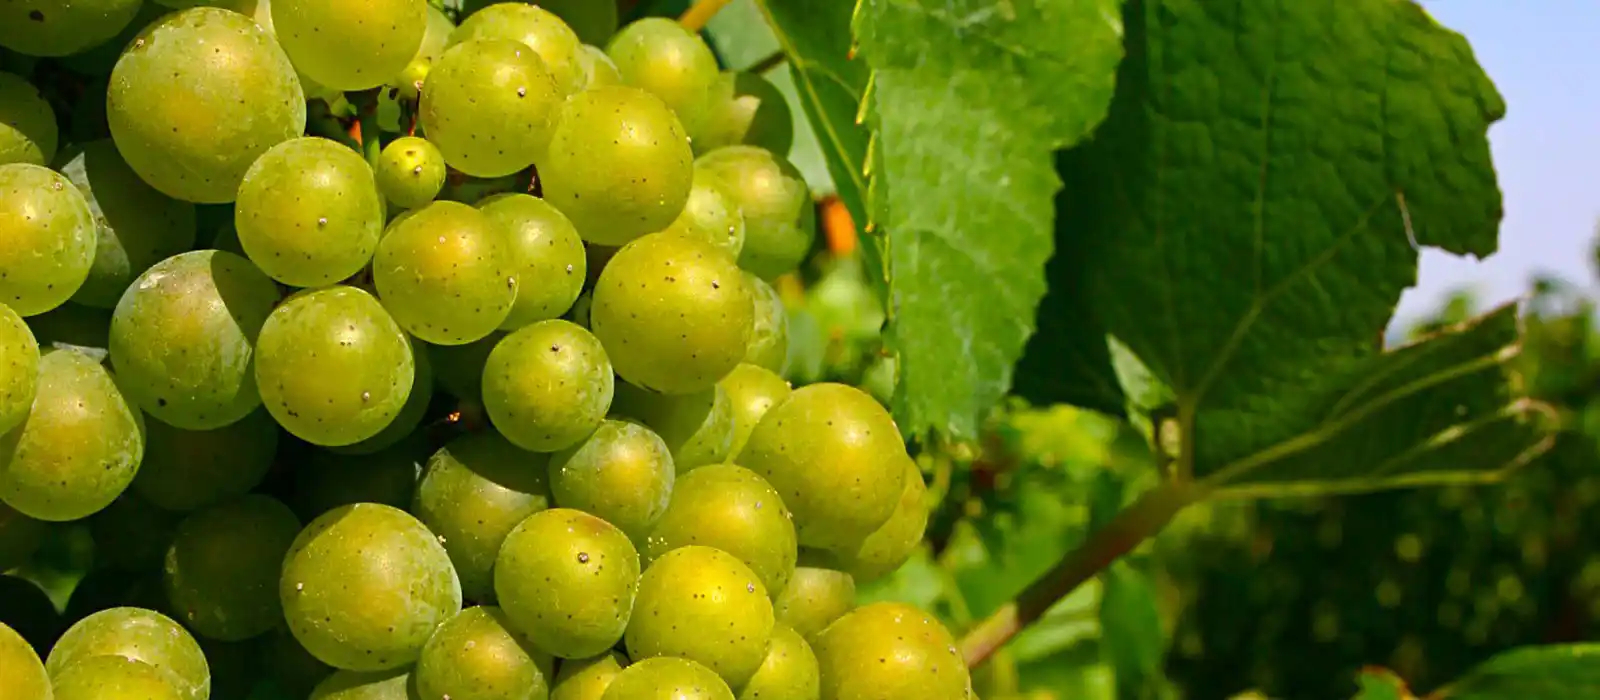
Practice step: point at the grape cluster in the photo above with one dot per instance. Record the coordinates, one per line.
(476, 395)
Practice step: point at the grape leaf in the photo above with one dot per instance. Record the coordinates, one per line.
(1531, 673)
(1130, 628)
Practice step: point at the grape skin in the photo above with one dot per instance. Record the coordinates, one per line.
(892, 544)
(712, 214)
(221, 570)
(475, 656)
(752, 391)
(309, 213)
(489, 105)
(567, 580)
(547, 386)
(587, 679)
(779, 216)
(890, 650)
(19, 369)
(746, 108)
(394, 684)
(350, 45)
(659, 55)
(410, 172)
(702, 604)
(50, 238)
(55, 28)
(593, 21)
(697, 428)
(28, 132)
(547, 254)
(24, 676)
(137, 225)
(814, 598)
(788, 673)
(139, 635)
(113, 678)
(769, 334)
(622, 472)
(734, 510)
(538, 29)
(444, 272)
(667, 678)
(411, 414)
(598, 68)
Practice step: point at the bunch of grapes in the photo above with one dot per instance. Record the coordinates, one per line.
(341, 426)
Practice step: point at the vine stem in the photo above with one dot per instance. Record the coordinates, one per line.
(366, 130)
(701, 12)
(1135, 524)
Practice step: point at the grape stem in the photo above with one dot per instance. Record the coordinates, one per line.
(366, 132)
(701, 12)
(773, 60)
(1135, 524)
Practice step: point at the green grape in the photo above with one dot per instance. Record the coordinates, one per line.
(79, 447)
(408, 84)
(567, 581)
(333, 367)
(411, 172)
(586, 679)
(28, 132)
(139, 635)
(745, 109)
(734, 510)
(769, 335)
(579, 313)
(474, 491)
(673, 313)
(667, 678)
(24, 675)
(675, 64)
(593, 21)
(536, 28)
(814, 598)
(137, 225)
(445, 273)
(697, 428)
(788, 673)
(892, 544)
(711, 214)
(459, 368)
(411, 414)
(391, 684)
(102, 58)
(547, 386)
(702, 604)
(779, 217)
(488, 104)
(49, 236)
(19, 369)
(350, 45)
(751, 391)
(184, 470)
(309, 213)
(132, 533)
(56, 28)
(890, 650)
(548, 256)
(622, 472)
(222, 567)
(837, 458)
(174, 106)
(114, 678)
(598, 68)
(476, 656)
(284, 660)
(364, 586)
(184, 335)
(20, 537)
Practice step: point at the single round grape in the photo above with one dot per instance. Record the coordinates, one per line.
(619, 164)
(350, 45)
(548, 256)
(890, 650)
(567, 581)
(489, 105)
(28, 132)
(697, 428)
(390, 684)
(745, 109)
(445, 273)
(538, 29)
(411, 414)
(586, 679)
(411, 172)
(175, 110)
(711, 214)
(892, 544)
(114, 678)
(667, 678)
(593, 21)
(222, 567)
(309, 213)
(547, 386)
(20, 537)
(751, 391)
(734, 510)
(598, 68)
(137, 225)
(769, 334)
(673, 63)
(622, 472)
(79, 447)
(702, 604)
(24, 675)
(837, 458)
(779, 217)
(459, 368)
(333, 367)
(132, 533)
(364, 586)
(476, 656)
(184, 336)
(788, 673)
(56, 28)
(474, 491)
(136, 634)
(49, 238)
(408, 84)
(673, 313)
(19, 369)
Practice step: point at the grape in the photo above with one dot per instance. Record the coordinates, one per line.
(474, 491)
(56, 28)
(788, 673)
(697, 428)
(445, 273)
(779, 217)
(890, 650)
(137, 226)
(24, 676)
(392, 684)
(745, 108)
(411, 414)
(132, 533)
(769, 334)
(673, 313)
(892, 544)
(598, 68)
(488, 104)
(593, 21)
(49, 238)
(732, 509)
(184, 335)
(364, 586)
(675, 64)
(79, 446)
(350, 44)
(547, 386)
(619, 164)
(222, 567)
(711, 214)
(536, 28)
(333, 367)
(185, 470)
(309, 212)
(622, 472)
(667, 678)
(19, 369)
(476, 656)
(408, 84)
(410, 172)
(567, 582)
(751, 391)
(28, 131)
(20, 537)
(114, 678)
(174, 107)
(139, 635)
(460, 367)
(837, 458)
(548, 256)
(586, 679)
(705, 605)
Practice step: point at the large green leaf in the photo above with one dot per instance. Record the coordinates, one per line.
(1532, 673)
(1131, 633)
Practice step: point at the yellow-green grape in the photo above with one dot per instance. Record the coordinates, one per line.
(309, 213)
(751, 392)
(114, 678)
(661, 56)
(892, 544)
(702, 604)
(476, 656)
(698, 427)
(489, 105)
(411, 414)
(732, 509)
(365, 585)
(538, 29)
(391, 684)
(445, 273)
(221, 570)
(674, 314)
(435, 39)
(549, 256)
(788, 673)
(622, 472)
(411, 172)
(593, 21)
(56, 28)
(333, 367)
(567, 581)
(49, 238)
(712, 214)
(184, 335)
(136, 225)
(547, 386)
(24, 675)
(587, 679)
(814, 598)
(460, 367)
(746, 108)
(837, 458)
(174, 105)
(79, 447)
(132, 534)
(779, 216)
(598, 68)
(329, 480)
(262, 14)
(139, 635)
(184, 470)
(350, 44)
(28, 132)
(890, 650)
(100, 59)
(667, 678)
(769, 334)
(20, 537)
(19, 369)
(619, 164)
